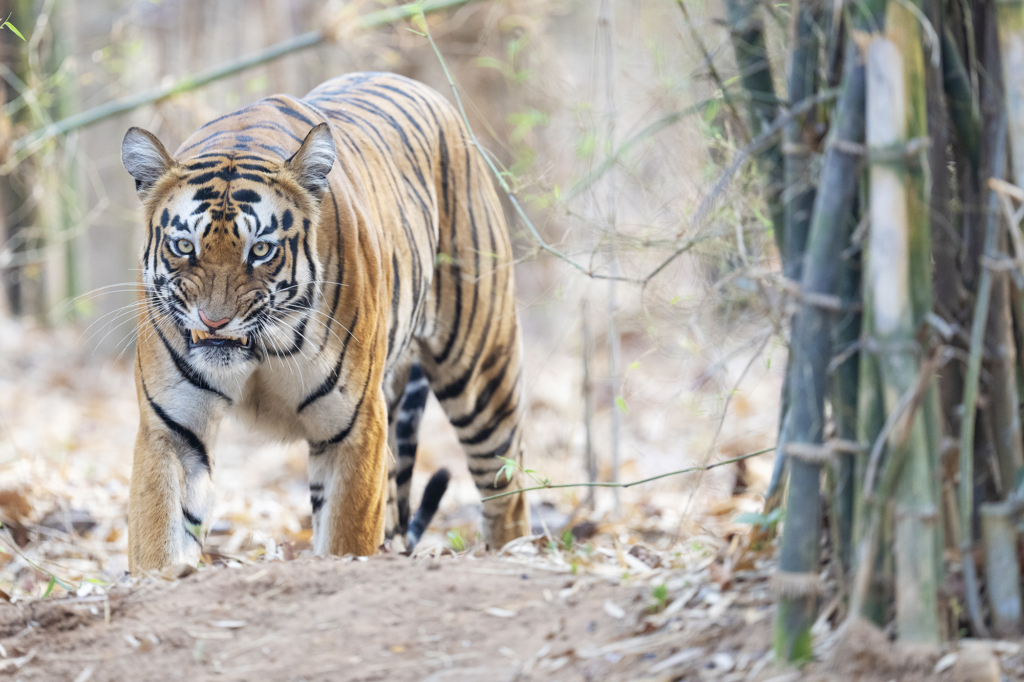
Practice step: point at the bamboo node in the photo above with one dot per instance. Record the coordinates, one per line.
(999, 263)
(797, 149)
(928, 513)
(847, 447)
(793, 585)
(887, 347)
(902, 151)
(825, 301)
(812, 453)
(822, 453)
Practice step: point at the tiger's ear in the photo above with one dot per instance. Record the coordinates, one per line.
(314, 160)
(145, 158)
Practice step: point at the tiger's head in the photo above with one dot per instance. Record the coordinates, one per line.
(230, 252)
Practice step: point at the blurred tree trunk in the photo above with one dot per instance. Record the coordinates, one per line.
(22, 281)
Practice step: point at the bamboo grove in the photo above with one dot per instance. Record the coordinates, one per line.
(897, 211)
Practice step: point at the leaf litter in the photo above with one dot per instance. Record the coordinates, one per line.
(653, 594)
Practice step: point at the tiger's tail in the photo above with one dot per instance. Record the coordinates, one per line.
(432, 495)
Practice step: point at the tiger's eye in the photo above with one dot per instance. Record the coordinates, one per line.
(185, 246)
(260, 249)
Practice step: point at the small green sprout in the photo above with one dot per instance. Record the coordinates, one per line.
(567, 539)
(659, 598)
(456, 540)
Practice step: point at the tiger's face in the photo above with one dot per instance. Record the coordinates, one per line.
(230, 252)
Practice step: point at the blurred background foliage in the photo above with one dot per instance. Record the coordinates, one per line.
(610, 122)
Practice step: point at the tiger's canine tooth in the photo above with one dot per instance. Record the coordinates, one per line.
(195, 336)
(245, 340)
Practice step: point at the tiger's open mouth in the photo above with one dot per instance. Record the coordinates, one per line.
(203, 339)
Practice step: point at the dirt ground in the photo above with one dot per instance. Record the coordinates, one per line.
(385, 618)
(439, 618)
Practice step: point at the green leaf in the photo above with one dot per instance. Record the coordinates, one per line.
(508, 468)
(712, 110)
(659, 593)
(621, 402)
(13, 28)
(567, 538)
(761, 217)
(49, 587)
(586, 147)
(763, 520)
(456, 540)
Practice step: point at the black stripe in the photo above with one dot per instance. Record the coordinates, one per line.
(500, 450)
(319, 448)
(404, 476)
(332, 379)
(191, 439)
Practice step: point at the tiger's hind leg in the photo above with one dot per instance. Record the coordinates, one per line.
(470, 348)
(485, 404)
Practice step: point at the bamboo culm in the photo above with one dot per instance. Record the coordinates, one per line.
(812, 344)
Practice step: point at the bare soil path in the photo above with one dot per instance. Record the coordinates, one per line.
(385, 618)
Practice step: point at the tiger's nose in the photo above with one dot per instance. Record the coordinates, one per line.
(213, 324)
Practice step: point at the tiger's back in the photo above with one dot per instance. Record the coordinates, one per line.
(401, 257)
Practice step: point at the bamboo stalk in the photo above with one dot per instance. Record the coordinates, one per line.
(844, 410)
(33, 141)
(798, 196)
(898, 245)
(798, 205)
(1002, 571)
(811, 344)
(868, 597)
(970, 400)
(963, 103)
(943, 258)
(755, 75)
(1005, 398)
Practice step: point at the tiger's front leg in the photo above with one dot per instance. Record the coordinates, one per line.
(171, 493)
(348, 476)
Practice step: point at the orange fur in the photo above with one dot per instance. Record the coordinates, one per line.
(386, 246)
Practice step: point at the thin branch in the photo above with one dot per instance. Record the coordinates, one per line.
(758, 143)
(500, 178)
(908, 404)
(699, 42)
(604, 484)
(32, 142)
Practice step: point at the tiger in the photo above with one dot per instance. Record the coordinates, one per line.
(318, 267)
